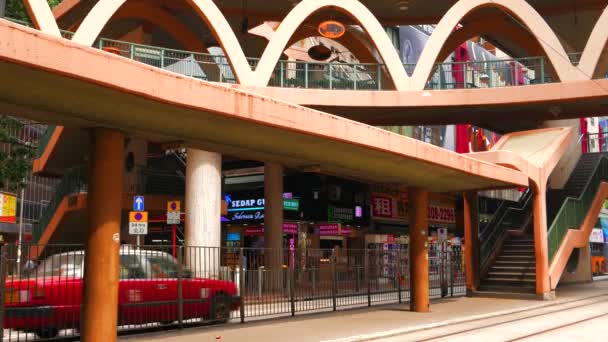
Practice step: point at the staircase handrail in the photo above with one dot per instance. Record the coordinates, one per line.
(574, 209)
(74, 181)
(44, 140)
(495, 228)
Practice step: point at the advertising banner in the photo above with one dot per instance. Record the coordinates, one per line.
(8, 208)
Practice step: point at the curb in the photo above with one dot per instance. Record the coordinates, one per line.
(403, 331)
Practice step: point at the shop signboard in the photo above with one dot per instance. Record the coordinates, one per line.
(8, 208)
(252, 209)
(346, 231)
(442, 214)
(254, 231)
(597, 236)
(328, 229)
(291, 204)
(290, 228)
(382, 206)
(393, 204)
(340, 214)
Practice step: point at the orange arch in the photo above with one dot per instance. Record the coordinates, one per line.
(472, 29)
(500, 28)
(42, 16)
(363, 52)
(543, 34)
(354, 9)
(164, 20)
(103, 10)
(209, 12)
(596, 44)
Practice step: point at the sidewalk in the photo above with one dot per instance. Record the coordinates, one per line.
(375, 320)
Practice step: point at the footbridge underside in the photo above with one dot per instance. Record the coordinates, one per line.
(503, 110)
(57, 81)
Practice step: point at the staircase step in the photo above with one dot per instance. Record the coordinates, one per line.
(509, 258)
(517, 269)
(515, 252)
(514, 282)
(520, 240)
(506, 289)
(511, 275)
(518, 245)
(524, 265)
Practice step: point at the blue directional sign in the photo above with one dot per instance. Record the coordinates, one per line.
(138, 203)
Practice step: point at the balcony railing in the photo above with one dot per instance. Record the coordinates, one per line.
(335, 75)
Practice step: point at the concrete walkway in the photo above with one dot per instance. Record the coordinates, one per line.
(375, 322)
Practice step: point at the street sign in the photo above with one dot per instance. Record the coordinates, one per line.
(138, 203)
(442, 234)
(138, 222)
(173, 206)
(173, 217)
(173, 212)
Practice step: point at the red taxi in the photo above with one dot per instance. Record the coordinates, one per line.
(49, 297)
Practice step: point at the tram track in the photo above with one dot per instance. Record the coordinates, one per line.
(557, 328)
(492, 322)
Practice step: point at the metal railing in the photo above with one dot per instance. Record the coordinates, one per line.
(573, 211)
(159, 288)
(508, 216)
(74, 181)
(44, 140)
(335, 75)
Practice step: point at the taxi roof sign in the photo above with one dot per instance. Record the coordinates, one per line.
(138, 216)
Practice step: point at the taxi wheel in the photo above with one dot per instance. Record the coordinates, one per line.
(220, 308)
(47, 332)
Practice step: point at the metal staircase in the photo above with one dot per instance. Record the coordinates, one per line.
(507, 259)
(514, 269)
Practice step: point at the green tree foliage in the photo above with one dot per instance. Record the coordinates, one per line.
(15, 156)
(16, 10)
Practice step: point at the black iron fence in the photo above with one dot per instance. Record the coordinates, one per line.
(159, 287)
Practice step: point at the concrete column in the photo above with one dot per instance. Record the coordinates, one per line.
(541, 251)
(203, 209)
(419, 256)
(273, 215)
(100, 296)
(471, 239)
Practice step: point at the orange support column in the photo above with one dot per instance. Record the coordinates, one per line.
(100, 294)
(541, 252)
(419, 255)
(471, 239)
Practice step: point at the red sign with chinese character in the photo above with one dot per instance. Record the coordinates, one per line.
(382, 206)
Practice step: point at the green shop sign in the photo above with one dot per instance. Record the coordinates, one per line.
(291, 204)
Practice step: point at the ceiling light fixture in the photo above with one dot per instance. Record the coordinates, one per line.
(402, 5)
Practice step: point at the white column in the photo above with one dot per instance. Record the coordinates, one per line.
(203, 210)
(273, 214)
